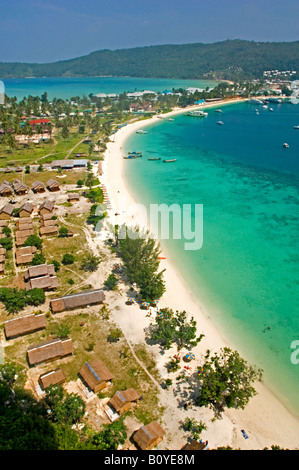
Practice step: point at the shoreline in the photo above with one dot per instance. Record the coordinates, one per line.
(266, 419)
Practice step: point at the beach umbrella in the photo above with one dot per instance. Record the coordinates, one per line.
(145, 304)
(130, 300)
(190, 356)
(117, 276)
(201, 372)
(160, 315)
(155, 302)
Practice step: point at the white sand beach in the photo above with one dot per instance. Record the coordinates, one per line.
(266, 421)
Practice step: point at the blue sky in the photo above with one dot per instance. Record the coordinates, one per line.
(50, 30)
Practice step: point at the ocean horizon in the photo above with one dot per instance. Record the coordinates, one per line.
(66, 87)
(245, 276)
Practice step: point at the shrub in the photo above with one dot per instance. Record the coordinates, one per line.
(68, 259)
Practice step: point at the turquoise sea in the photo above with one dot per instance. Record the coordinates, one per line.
(246, 273)
(66, 88)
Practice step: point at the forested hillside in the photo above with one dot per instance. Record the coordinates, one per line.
(233, 59)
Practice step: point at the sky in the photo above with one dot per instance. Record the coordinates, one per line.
(50, 30)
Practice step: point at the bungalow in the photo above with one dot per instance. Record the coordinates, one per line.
(26, 210)
(196, 445)
(41, 276)
(80, 300)
(24, 325)
(53, 377)
(149, 436)
(49, 351)
(73, 197)
(25, 226)
(23, 221)
(22, 235)
(5, 189)
(44, 282)
(47, 207)
(25, 255)
(38, 187)
(122, 401)
(53, 185)
(48, 223)
(95, 375)
(20, 188)
(6, 212)
(51, 230)
(44, 217)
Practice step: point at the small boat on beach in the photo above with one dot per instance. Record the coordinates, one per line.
(130, 157)
(170, 161)
(152, 159)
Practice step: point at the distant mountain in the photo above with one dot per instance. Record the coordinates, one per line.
(232, 59)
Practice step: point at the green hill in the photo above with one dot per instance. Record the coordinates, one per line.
(232, 59)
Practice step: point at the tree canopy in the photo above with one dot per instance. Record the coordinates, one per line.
(227, 380)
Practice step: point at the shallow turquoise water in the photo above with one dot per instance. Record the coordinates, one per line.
(246, 273)
(68, 87)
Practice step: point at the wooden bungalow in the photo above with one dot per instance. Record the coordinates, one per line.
(50, 230)
(47, 208)
(26, 210)
(6, 212)
(24, 325)
(45, 216)
(49, 351)
(53, 185)
(38, 187)
(49, 223)
(122, 401)
(73, 197)
(96, 375)
(79, 300)
(25, 255)
(23, 220)
(196, 445)
(20, 188)
(41, 276)
(23, 227)
(53, 377)
(5, 189)
(149, 436)
(22, 235)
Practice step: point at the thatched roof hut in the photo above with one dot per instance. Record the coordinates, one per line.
(149, 436)
(196, 445)
(47, 207)
(96, 375)
(79, 300)
(38, 187)
(26, 210)
(51, 230)
(24, 325)
(6, 211)
(53, 377)
(49, 350)
(53, 185)
(122, 400)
